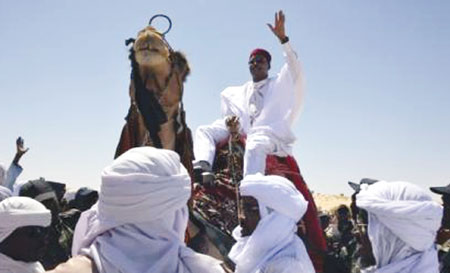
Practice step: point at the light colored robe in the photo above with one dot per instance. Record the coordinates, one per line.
(9, 177)
(8, 265)
(282, 98)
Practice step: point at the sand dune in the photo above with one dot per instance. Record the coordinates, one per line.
(329, 202)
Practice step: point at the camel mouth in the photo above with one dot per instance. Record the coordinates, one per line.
(147, 48)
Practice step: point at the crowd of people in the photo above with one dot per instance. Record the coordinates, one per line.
(137, 221)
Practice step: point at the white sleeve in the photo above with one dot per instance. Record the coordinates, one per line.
(293, 64)
(290, 82)
(11, 176)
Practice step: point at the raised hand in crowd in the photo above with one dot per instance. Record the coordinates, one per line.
(20, 150)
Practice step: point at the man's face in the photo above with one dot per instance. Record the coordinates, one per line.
(324, 221)
(259, 67)
(342, 215)
(366, 252)
(30, 243)
(248, 215)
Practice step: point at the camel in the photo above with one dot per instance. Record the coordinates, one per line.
(156, 116)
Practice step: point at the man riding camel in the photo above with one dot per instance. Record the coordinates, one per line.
(265, 109)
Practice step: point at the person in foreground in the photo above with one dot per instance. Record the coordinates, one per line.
(22, 234)
(266, 237)
(139, 222)
(402, 224)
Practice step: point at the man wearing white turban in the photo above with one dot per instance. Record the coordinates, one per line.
(22, 234)
(139, 222)
(266, 239)
(402, 224)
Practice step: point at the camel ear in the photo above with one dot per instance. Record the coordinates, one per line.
(181, 64)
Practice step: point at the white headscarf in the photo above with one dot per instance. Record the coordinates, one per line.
(140, 220)
(403, 221)
(281, 207)
(16, 212)
(4, 193)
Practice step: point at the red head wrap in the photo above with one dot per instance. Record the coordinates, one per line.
(262, 52)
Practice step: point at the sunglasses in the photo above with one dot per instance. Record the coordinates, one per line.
(257, 60)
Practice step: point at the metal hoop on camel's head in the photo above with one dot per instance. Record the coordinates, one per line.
(165, 17)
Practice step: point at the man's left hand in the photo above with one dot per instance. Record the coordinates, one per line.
(20, 149)
(278, 27)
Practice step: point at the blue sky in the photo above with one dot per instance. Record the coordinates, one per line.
(377, 98)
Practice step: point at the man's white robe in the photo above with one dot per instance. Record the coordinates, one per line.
(270, 130)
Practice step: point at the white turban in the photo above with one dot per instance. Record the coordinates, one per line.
(281, 206)
(141, 217)
(4, 193)
(403, 221)
(18, 212)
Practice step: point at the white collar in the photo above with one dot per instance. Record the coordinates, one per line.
(261, 83)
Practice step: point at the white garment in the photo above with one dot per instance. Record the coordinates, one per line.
(274, 239)
(403, 222)
(14, 171)
(8, 265)
(281, 104)
(9, 177)
(4, 193)
(20, 211)
(139, 223)
(258, 145)
(256, 100)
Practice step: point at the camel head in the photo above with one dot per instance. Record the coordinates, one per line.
(151, 51)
